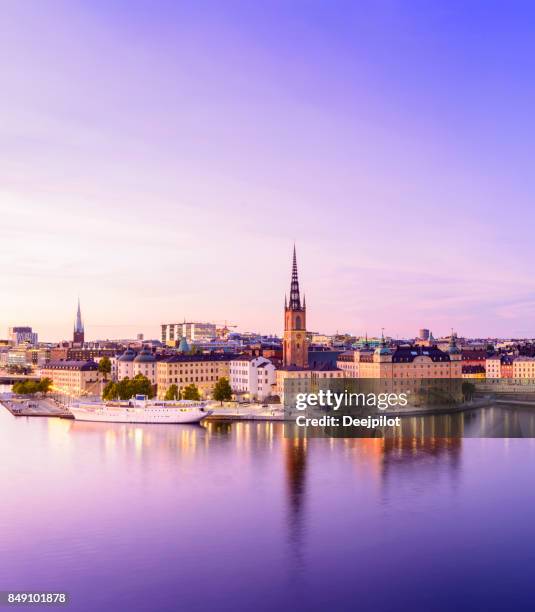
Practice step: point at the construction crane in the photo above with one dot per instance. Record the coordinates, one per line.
(225, 329)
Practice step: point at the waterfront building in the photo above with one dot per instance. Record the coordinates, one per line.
(74, 378)
(252, 377)
(172, 333)
(348, 364)
(410, 362)
(524, 368)
(474, 371)
(201, 370)
(125, 364)
(78, 334)
(293, 379)
(20, 335)
(475, 357)
(113, 372)
(145, 364)
(499, 366)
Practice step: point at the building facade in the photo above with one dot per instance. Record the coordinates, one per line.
(201, 370)
(411, 362)
(145, 364)
(252, 377)
(499, 366)
(524, 368)
(74, 378)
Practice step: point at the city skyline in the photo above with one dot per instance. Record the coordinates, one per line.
(160, 162)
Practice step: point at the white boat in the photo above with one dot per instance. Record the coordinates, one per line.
(140, 409)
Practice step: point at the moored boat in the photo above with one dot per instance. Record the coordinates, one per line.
(140, 409)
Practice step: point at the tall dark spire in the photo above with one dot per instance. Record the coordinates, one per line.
(295, 299)
(78, 334)
(79, 326)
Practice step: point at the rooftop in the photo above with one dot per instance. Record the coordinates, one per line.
(71, 365)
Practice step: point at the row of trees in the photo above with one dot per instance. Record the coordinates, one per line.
(190, 392)
(222, 392)
(31, 387)
(140, 385)
(128, 387)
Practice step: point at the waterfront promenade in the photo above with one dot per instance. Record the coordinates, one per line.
(33, 407)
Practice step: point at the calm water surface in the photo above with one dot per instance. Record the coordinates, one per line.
(238, 517)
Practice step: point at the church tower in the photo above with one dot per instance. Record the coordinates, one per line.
(295, 349)
(78, 333)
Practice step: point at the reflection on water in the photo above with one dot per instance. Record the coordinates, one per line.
(240, 515)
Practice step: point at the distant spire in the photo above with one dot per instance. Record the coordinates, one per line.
(295, 299)
(304, 300)
(285, 302)
(79, 326)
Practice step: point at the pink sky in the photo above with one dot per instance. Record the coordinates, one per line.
(159, 163)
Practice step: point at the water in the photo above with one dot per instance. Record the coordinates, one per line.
(237, 517)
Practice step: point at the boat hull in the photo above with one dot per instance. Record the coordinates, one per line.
(140, 415)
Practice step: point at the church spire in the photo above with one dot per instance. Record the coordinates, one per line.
(295, 299)
(78, 334)
(79, 326)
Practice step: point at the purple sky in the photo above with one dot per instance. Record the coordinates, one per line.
(159, 159)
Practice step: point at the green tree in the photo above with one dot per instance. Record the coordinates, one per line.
(191, 392)
(127, 388)
(141, 385)
(44, 385)
(222, 390)
(172, 393)
(30, 387)
(110, 391)
(104, 366)
(124, 389)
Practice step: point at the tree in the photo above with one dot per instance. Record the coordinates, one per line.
(141, 385)
(172, 393)
(124, 389)
(127, 388)
(222, 390)
(44, 385)
(104, 366)
(191, 392)
(110, 391)
(31, 387)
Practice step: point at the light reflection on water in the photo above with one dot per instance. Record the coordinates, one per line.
(220, 516)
